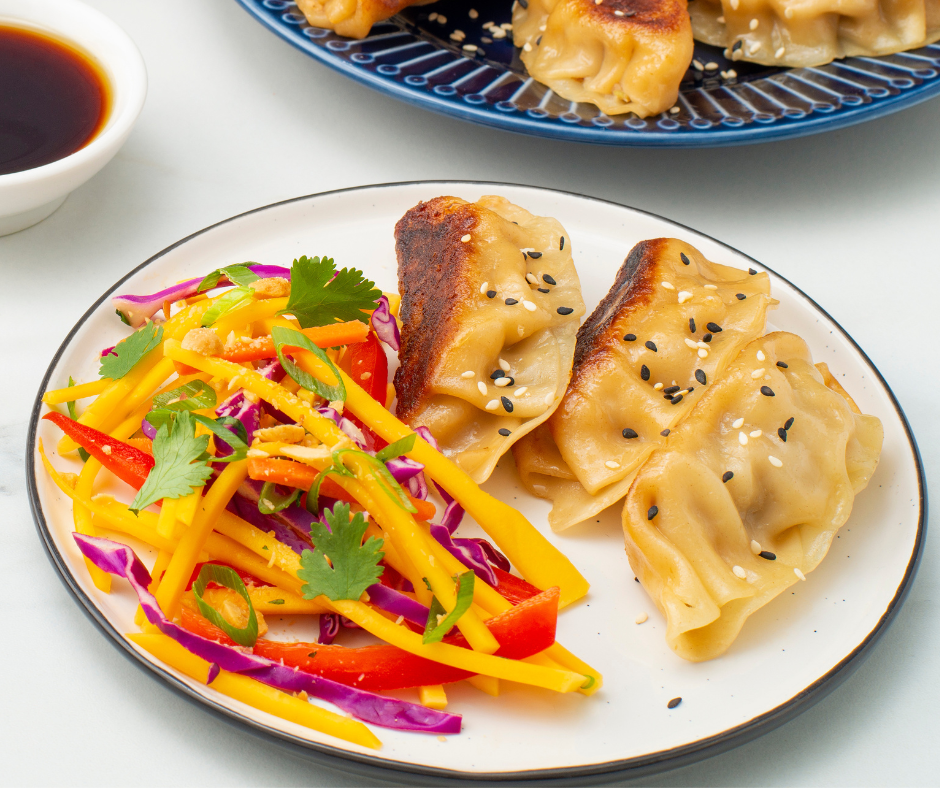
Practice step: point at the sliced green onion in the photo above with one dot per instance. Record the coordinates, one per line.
(238, 446)
(228, 577)
(234, 299)
(195, 395)
(434, 631)
(290, 338)
(271, 501)
(397, 449)
(240, 274)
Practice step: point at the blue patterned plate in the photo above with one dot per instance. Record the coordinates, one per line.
(413, 57)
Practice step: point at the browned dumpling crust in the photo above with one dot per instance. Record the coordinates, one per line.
(352, 18)
(622, 55)
(489, 314)
(814, 32)
(670, 325)
(746, 495)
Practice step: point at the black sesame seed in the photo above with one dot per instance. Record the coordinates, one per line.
(677, 399)
(673, 703)
(670, 389)
(535, 255)
(496, 374)
(504, 432)
(645, 372)
(665, 433)
(707, 338)
(561, 244)
(491, 294)
(751, 271)
(507, 404)
(690, 389)
(767, 391)
(700, 376)
(564, 310)
(651, 346)
(512, 381)
(668, 396)
(683, 258)
(713, 327)
(653, 511)
(629, 337)
(789, 423)
(737, 44)
(740, 296)
(783, 365)
(525, 4)
(511, 302)
(628, 433)
(727, 476)
(768, 555)
(544, 290)
(538, 41)
(692, 324)
(636, 580)
(548, 280)
(783, 434)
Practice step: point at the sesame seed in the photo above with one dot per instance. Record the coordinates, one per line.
(502, 382)
(629, 337)
(742, 438)
(675, 701)
(561, 243)
(496, 374)
(734, 4)
(484, 286)
(498, 32)
(798, 573)
(527, 47)
(783, 365)
(754, 23)
(753, 433)
(727, 476)
(618, 13)
(493, 404)
(671, 390)
(707, 338)
(789, 423)
(684, 295)
(612, 464)
(491, 294)
(721, 20)
(738, 571)
(782, 434)
(544, 290)
(507, 404)
(697, 65)
(535, 255)
(780, 53)
(769, 556)
(712, 66)
(511, 302)
(482, 387)
(520, 391)
(685, 260)
(789, 13)
(457, 36)
(441, 19)
(669, 286)
(508, 25)
(645, 372)
(760, 355)
(651, 346)
(564, 310)
(740, 296)
(653, 511)
(468, 374)
(702, 353)
(658, 386)
(628, 433)
(754, 48)
(691, 343)
(473, 13)
(548, 280)
(531, 278)
(665, 433)
(714, 328)
(757, 373)
(710, 287)
(504, 432)
(642, 618)
(774, 461)
(738, 423)
(469, 48)
(677, 399)
(529, 305)
(674, 110)
(503, 365)
(700, 376)
(692, 324)
(432, 17)
(702, 345)
(486, 25)
(767, 391)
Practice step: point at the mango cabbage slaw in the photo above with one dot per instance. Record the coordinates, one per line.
(250, 411)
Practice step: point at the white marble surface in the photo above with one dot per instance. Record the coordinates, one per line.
(237, 119)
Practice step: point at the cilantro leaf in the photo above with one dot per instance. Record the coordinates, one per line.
(440, 624)
(129, 351)
(288, 337)
(239, 274)
(318, 298)
(175, 473)
(355, 564)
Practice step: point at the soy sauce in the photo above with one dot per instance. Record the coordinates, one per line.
(53, 99)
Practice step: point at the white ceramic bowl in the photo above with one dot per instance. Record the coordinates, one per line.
(30, 196)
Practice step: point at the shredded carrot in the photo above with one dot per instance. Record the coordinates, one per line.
(323, 336)
(144, 444)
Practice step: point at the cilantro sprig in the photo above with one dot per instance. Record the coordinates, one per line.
(353, 565)
(129, 351)
(320, 296)
(440, 622)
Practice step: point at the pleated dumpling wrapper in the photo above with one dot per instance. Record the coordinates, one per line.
(671, 323)
(353, 18)
(814, 32)
(622, 55)
(746, 496)
(490, 307)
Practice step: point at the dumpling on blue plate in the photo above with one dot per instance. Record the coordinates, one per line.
(352, 18)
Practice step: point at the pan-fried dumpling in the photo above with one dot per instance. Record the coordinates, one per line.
(490, 309)
(622, 55)
(353, 18)
(747, 494)
(813, 32)
(670, 325)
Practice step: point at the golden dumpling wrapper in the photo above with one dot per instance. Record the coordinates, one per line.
(352, 18)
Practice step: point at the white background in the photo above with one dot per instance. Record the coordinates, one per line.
(236, 119)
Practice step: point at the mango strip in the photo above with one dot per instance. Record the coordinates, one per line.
(72, 393)
(81, 516)
(250, 313)
(433, 697)
(255, 694)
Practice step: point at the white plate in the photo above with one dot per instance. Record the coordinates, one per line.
(790, 654)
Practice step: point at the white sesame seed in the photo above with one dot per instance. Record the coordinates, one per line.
(432, 17)
(493, 404)
(760, 355)
(465, 238)
(774, 461)
(529, 305)
(732, 74)
(612, 464)
(618, 13)
(503, 365)
(669, 286)
(675, 110)
(756, 433)
(711, 287)
(738, 571)
(473, 13)
(738, 423)
(441, 19)
(482, 387)
(703, 345)
(457, 36)
(484, 287)
(542, 28)
(498, 32)
(520, 391)
(755, 547)
(691, 343)
(506, 25)
(531, 278)
(757, 373)
(469, 48)
(734, 4)
(723, 74)
(742, 438)
(780, 53)
(502, 382)
(754, 48)
(721, 20)
(753, 24)
(657, 386)
(598, 2)
(711, 66)
(684, 295)
(468, 374)
(798, 573)
(642, 618)
(702, 353)
(527, 47)
(486, 25)
(697, 65)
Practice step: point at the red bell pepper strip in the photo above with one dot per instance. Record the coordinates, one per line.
(514, 589)
(522, 631)
(368, 366)
(129, 464)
